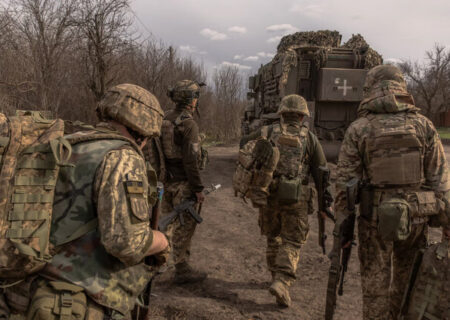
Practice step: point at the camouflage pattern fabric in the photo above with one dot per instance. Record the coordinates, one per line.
(186, 138)
(113, 184)
(372, 57)
(134, 107)
(430, 292)
(179, 236)
(381, 297)
(386, 98)
(286, 229)
(321, 38)
(184, 91)
(286, 226)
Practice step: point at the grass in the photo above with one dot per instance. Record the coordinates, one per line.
(444, 132)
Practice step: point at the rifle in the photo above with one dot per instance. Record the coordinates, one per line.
(187, 206)
(324, 205)
(342, 248)
(143, 307)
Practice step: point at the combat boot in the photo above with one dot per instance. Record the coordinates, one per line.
(185, 274)
(281, 293)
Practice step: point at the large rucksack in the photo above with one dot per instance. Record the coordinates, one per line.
(32, 149)
(428, 292)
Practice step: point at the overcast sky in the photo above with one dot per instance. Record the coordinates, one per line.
(246, 32)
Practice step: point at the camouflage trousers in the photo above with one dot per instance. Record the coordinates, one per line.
(179, 236)
(385, 268)
(286, 229)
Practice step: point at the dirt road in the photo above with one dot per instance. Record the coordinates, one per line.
(229, 247)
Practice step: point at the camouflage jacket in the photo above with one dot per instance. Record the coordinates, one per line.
(313, 159)
(385, 104)
(107, 185)
(187, 137)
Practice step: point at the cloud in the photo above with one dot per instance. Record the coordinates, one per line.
(191, 49)
(284, 28)
(275, 39)
(266, 54)
(252, 58)
(238, 29)
(213, 34)
(311, 10)
(238, 57)
(235, 65)
(392, 61)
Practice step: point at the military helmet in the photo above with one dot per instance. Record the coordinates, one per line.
(134, 107)
(293, 103)
(184, 91)
(383, 73)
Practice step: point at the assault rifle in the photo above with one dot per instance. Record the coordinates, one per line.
(342, 249)
(324, 205)
(187, 206)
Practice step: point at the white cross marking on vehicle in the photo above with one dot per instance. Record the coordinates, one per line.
(344, 88)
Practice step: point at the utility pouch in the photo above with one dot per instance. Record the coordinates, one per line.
(423, 203)
(394, 221)
(289, 190)
(58, 301)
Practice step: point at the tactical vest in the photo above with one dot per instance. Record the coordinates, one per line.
(85, 262)
(292, 147)
(169, 137)
(428, 294)
(394, 154)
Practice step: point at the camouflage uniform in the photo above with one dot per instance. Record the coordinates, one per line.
(387, 102)
(181, 147)
(286, 226)
(106, 187)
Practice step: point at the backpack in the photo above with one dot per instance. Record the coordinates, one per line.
(292, 148)
(32, 149)
(254, 170)
(427, 295)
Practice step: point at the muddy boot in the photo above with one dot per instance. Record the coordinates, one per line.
(281, 293)
(185, 274)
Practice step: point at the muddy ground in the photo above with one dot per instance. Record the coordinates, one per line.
(229, 247)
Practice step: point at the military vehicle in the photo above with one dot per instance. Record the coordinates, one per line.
(329, 76)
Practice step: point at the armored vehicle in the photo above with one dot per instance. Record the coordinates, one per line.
(329, 76)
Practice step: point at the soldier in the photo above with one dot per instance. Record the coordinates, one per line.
(102, 197)
(285, 221)
(181, 147)
(397, 154)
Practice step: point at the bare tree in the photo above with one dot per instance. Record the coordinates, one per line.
(43, 35)
(104, 26)
(228, 91)
(430, 82)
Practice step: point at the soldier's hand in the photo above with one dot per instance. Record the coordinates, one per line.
(200, 197)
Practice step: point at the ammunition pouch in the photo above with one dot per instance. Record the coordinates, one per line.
(58, 301)
(289, 190)
(394, 220)
(394, 211)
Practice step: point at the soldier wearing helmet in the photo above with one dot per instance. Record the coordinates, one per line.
(180, 144)
(284, 217)
(398, 156)
(100, 224)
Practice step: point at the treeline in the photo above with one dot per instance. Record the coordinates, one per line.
(429, 82)
(61, 56)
